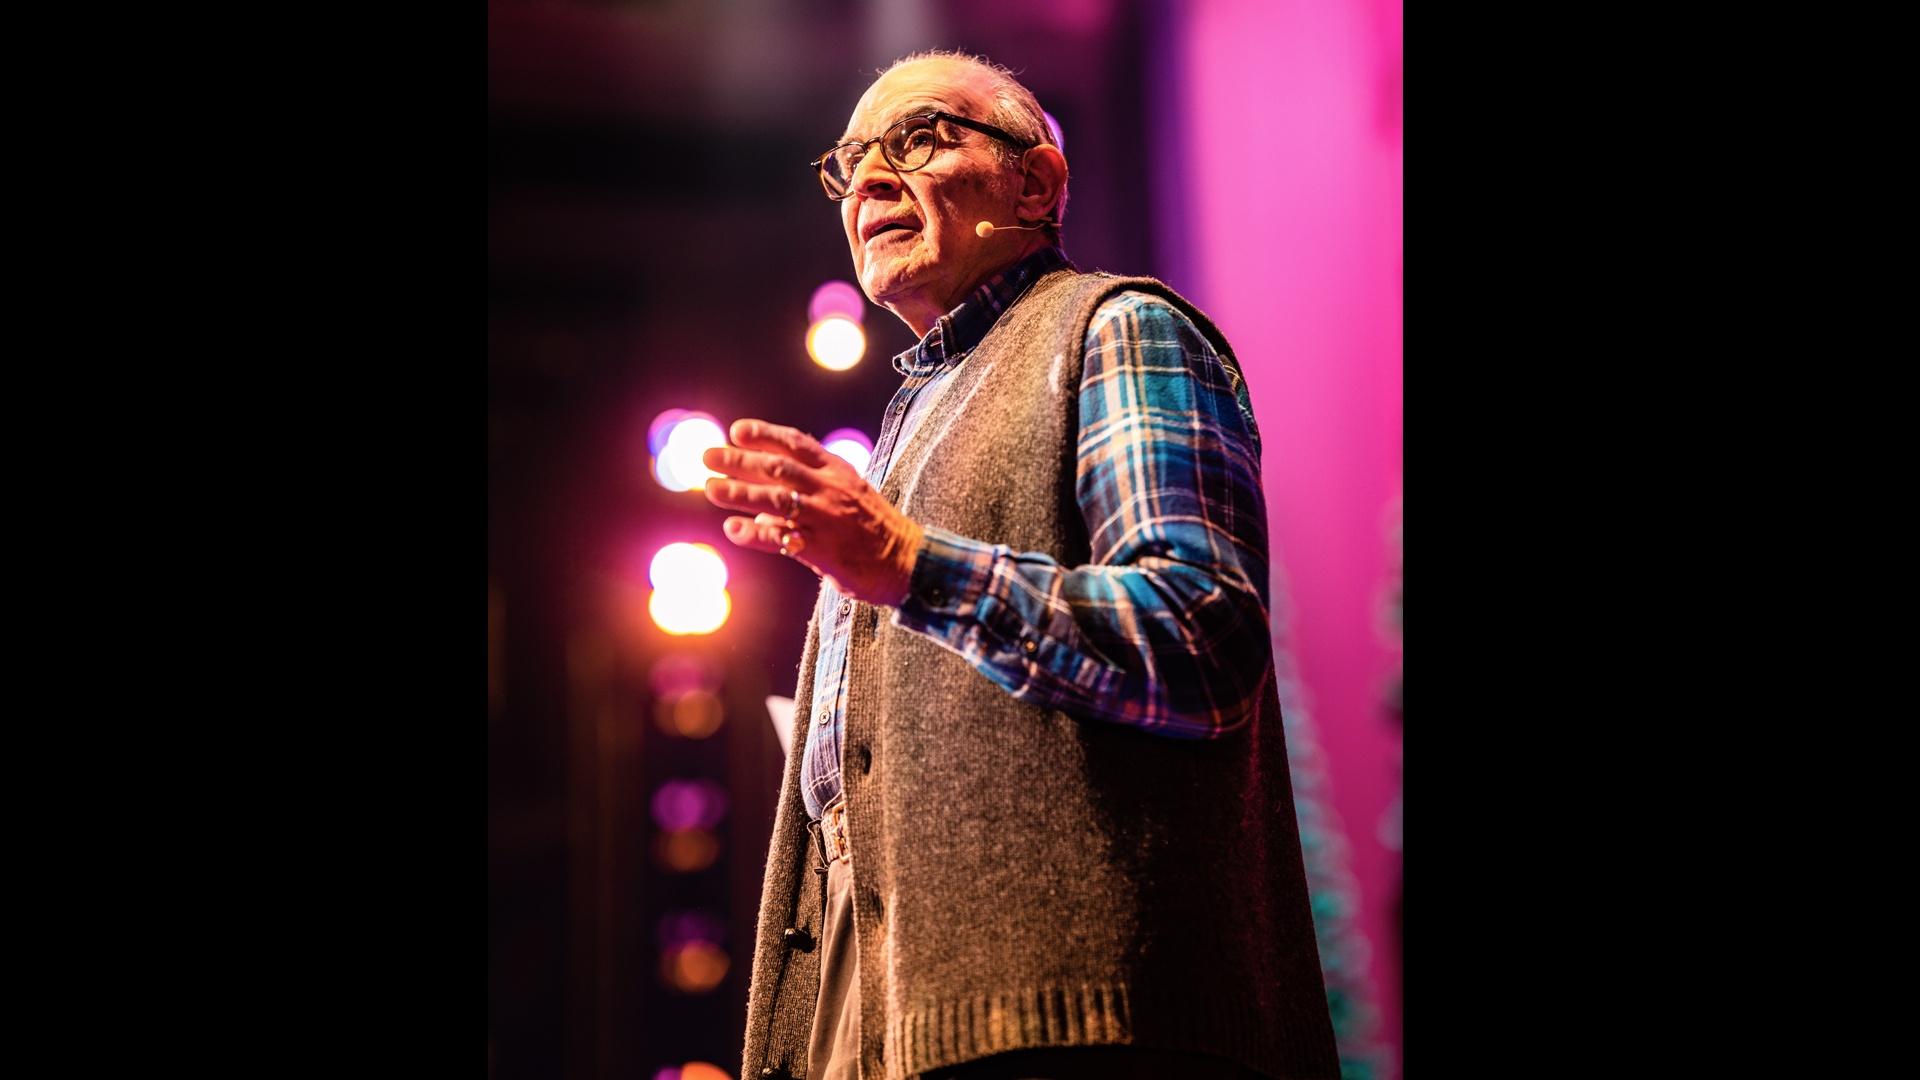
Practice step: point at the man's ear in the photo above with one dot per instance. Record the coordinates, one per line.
(1043, 177)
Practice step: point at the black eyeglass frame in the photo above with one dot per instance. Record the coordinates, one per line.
(819, 164)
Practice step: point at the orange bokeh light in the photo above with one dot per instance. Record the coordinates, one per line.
(694, 968)
(686, 851)
(696, 714)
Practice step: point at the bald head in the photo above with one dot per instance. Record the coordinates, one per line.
(912, 227)
(1009, 105)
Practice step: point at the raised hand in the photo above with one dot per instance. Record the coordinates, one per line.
(813, 506)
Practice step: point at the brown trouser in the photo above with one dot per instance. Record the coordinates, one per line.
(833, 1048)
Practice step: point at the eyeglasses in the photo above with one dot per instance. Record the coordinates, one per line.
(907, 146)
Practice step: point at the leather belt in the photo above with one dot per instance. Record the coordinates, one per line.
(833, 831)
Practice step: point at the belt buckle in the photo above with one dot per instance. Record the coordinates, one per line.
(835, 822)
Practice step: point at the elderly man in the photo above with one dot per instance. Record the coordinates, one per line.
(1038, 822)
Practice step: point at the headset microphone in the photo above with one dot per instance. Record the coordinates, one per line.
(988, 228)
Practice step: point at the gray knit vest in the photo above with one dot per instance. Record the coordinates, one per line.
(1021, 878)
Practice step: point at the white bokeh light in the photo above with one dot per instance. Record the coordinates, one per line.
(689, 589)
(689, 611)
(678, 466)
(856, 453)
(836, 343)
(688, 568)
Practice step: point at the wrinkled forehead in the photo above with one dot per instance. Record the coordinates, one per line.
(919, 87)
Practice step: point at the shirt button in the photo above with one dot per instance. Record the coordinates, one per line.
(826, 715)
(1030, 646)
(846, 606)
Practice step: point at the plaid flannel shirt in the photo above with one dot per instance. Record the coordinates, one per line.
(1166, 629)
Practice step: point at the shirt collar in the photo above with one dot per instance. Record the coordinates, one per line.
(955, 334)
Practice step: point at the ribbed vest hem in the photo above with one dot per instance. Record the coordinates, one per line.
(944, 1033)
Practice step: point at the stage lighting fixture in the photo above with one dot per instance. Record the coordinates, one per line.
(836, 343)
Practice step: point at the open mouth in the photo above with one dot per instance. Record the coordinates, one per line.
(890, 228)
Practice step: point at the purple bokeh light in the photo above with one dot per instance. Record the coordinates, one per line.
(837, 298)
(689, 804)
(677, 928)
(678, 674)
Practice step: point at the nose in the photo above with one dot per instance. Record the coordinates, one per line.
(874, 175)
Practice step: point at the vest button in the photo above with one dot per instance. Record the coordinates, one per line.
(797, 938)
(771, 1073)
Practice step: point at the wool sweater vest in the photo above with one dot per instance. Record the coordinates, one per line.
(1024, 879)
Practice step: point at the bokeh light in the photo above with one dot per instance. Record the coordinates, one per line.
(686, 851)
(851, 444)
(836, 343)
(689, 804)
(837, 298)
(693, 567)
(695, 714)
(684, 612)
(677, 438)
(693, 1070)
(694, 968)
(689, 589)
(679, 927)
(682, 673)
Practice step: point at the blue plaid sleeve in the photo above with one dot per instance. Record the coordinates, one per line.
(1167, 628)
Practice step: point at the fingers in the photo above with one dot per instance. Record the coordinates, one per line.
(762, 468)
(763, 533)
(767, 499)
(775, 438)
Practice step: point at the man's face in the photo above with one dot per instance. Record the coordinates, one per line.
(929, 265)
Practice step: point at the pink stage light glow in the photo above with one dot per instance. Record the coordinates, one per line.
(837, 298)
(852, 445)
(678, 674)
(689, 804)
